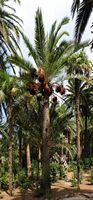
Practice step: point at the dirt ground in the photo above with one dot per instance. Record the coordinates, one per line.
(60, 189)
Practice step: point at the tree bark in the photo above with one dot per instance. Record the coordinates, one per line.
(77, 108)
(28, 160)
(20, 151)
(39, 161)
(86, 142)
(45, 183)
(10, 133)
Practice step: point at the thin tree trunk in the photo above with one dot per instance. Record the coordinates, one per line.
(68, 141)
(10, 150)
(77, 106)
(45, 184)
(39, 161)
(28, 160)
(20, 151)
(86, 143)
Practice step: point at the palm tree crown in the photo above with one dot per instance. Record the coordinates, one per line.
(50, 52)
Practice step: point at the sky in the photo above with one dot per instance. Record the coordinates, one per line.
(52, 10)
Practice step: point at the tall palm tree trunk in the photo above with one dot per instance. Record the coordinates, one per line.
(77, 108)
(45, 184)
(28, 160)
(10, 132)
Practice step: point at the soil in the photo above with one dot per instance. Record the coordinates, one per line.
(60, 189)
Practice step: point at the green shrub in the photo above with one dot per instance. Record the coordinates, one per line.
(71, 165)
(62, 172)
(74, 180)
(23, 180)
(54, 171)
(4, 179)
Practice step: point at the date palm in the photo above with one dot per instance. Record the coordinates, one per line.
(84, 10)
(50, 53)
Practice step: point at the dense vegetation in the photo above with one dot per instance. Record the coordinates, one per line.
(45, 124)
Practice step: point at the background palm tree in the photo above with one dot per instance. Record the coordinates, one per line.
(79, 66)
(10, 25)
(84, 10)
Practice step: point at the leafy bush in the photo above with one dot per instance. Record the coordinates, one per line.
(54, 171)
(4, 180)
(62, 172)
(71, 165)
(23, 180)
(74, 180)
(87, 163)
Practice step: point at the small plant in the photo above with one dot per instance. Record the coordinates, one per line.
(62, 172)
(87, 163)
(74, 181)
(4, 180)
(54, 170)
(71, 165)
(74, 177)
(24, 183)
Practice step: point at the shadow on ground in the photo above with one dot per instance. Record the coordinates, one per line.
(57, 193)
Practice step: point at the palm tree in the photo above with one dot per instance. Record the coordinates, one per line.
(49, 54)
(84, 10)
(86, 109)
(79, 65)
(62, 129)
(7, 86)
(10, 25)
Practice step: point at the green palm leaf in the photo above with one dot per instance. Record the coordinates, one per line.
(53, 33)
(40, 36)
(75, 6)
(20, 62)
(84, 13)
(31, 49)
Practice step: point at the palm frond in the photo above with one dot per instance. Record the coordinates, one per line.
(81, 45)
(75, 6)
(51, 36)
(64, 21)
(18, 1)
(2, 96)
(20, 62)
(60, 37)
(40, 36)
(83, 15)
(31, 49)
(53, 33)
(59, 61)
(14, 44)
